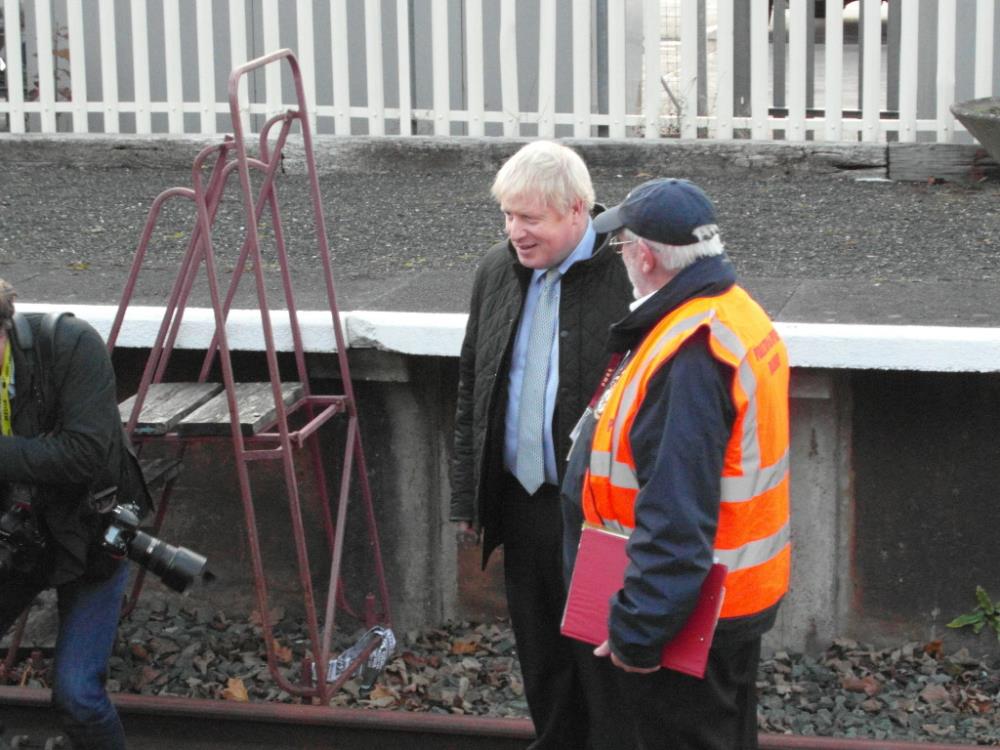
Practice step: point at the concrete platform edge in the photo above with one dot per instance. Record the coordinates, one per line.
(811, 345)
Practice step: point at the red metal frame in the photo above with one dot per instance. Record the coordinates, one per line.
(278, 442)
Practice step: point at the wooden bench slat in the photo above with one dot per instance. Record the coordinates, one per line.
(166, 404)
(255, 403)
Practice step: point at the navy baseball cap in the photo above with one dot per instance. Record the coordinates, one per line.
(664, 210)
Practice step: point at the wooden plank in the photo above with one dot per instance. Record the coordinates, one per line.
(340, 60)
(174, 66)
(256, 406)
(921, 162)
(474, 68)
(547, 64)
(403, 79)
(109, 66)
(909, 51)
(166, 404)
(725, 42)
(15, 68)
(77, 66)
(272, 73)
(688, 86)
(206, 68)
(507, 41)
(581, 70)
(985, 13)
(306, 54)
(871, 86)
(616, 70)
(238, 56)
(373, 61)
(140, 68)
(946, 53)
(440, 67)
(833, 71)
(797, 81)
(652, 88)
(46, 67)
(759, 128)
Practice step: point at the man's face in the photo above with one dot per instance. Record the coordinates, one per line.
(542, 236)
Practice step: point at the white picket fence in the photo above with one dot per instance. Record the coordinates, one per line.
(617, 68)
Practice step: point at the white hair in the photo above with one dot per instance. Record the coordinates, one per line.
(548, 171)
(676, 257)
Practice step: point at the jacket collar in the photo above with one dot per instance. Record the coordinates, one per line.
(706, 277)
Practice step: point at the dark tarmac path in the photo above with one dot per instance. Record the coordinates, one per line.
(407, 223)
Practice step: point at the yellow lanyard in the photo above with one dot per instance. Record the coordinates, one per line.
(5, 376)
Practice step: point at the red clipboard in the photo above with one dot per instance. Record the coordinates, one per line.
(599, 573)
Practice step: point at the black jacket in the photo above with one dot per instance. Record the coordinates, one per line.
(68, 441)
(594, 293)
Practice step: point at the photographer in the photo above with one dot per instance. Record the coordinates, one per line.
(62, 443)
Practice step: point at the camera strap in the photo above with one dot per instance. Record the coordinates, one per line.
(6, 375)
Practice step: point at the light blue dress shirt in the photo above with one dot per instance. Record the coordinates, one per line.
(582, 251)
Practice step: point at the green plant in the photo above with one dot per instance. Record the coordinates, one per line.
(987, 612)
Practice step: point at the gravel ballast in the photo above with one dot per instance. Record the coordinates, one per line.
(913, 691)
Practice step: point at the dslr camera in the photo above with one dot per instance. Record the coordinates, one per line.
(21, 543)
(177, 567)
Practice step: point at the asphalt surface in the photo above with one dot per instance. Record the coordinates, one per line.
(815, 240)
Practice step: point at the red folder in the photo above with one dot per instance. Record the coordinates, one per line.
(600, 572)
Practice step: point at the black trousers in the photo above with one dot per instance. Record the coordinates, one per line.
(667, 710)
(536, 592)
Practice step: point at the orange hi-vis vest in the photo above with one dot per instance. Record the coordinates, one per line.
(752, 539)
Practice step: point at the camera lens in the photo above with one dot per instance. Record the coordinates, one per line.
(177, 567)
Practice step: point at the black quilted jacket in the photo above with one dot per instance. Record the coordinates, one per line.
(594, 294)
(67, 440)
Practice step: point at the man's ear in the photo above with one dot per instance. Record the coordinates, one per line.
(647, 258)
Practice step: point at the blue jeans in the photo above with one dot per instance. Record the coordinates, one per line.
(88, 625)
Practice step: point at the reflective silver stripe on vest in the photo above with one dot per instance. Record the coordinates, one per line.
(621, 475)
(742, 489)
(632, 387)
(749, 442)
(755, 479)
(754, 553)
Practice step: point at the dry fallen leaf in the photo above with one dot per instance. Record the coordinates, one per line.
(382, 697)
(235, 690)
(464, 647)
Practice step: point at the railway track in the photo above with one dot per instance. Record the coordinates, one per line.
(186, 724)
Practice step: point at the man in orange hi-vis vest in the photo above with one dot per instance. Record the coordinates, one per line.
(686, 451)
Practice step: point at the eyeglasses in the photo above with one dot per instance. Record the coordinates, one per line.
(619, 244)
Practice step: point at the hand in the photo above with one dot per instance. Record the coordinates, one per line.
(605, 650)
(466, 535)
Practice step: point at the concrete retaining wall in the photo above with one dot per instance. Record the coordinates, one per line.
(892, 482)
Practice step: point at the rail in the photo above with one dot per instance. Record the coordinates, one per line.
(185, 724)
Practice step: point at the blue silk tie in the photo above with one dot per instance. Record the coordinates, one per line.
(530, 469)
